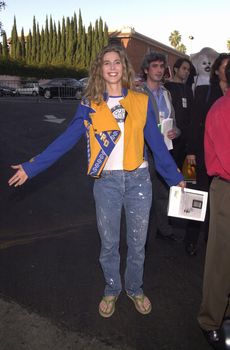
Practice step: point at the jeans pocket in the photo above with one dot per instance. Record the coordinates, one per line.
(142, 174)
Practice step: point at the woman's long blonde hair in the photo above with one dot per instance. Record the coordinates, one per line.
(96, 86)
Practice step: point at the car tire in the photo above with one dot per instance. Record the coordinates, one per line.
(34, 93)
(47, 94)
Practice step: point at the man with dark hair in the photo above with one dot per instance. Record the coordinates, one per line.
(150, 57)
(215, 305)
(182, 100)
(153, 69)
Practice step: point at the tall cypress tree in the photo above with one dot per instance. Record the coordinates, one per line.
(54, 44)
(69, 42)
(88, 49)
(93, 47)
(38, 41)
(14, 40)
(5, 50)
(23, 45)
(34, 42)
(50, 40)
(42, 54)
(46, 43)
(62, 52)
(82, 49)
(100, 33)
(18, 50)
(80, 25)
(74, 24)
(105, 35)
(29, 47)
(96, 43)
(79, 38)
(72, 38)
(58, 43)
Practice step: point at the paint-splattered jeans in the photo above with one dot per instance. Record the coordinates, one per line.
(133, 190)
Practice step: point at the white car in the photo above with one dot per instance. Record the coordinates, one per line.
(28, 88)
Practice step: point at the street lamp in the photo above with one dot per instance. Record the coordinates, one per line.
(191, 38)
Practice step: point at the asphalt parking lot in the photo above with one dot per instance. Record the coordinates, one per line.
(50, 278)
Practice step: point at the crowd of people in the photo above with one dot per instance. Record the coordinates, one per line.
(204, 145)
(134, 167)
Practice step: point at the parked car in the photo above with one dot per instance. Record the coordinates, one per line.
(28, 88)
(84, 82)
(7, 91)
(62, 87)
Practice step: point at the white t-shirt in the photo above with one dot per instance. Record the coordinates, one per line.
(115, 160)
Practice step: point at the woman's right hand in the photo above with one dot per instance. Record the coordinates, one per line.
(19, 177)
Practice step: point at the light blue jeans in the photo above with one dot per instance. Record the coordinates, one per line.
(133, 190)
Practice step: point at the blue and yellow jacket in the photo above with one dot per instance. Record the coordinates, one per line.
(102, 131)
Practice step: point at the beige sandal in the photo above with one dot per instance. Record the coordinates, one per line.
(139, 303)
(110, 306)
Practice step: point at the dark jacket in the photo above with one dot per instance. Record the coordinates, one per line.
(205, 96)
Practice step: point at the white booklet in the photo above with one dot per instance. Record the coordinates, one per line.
(166, 125)
(188, 203)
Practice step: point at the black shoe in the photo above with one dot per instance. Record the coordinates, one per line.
(170, 237)
(190, 249)
(225, 331)
(213, 338)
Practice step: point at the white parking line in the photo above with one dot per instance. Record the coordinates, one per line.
(53, 119)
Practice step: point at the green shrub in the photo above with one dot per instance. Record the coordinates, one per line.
(16, 68)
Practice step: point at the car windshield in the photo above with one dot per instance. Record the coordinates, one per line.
(74, 83)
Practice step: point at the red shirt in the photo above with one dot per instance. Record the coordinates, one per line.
(217, 138)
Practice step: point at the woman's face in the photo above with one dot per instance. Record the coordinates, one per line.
(112, 69)
(221, 71)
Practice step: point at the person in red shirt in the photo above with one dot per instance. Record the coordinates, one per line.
(204, 98)
(215, 307)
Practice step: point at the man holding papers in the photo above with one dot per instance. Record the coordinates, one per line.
(153, 69)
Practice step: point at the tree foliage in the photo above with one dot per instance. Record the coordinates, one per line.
(2, 6)
(175, 41)
(65, 44)
(181, 48)
(228, 45)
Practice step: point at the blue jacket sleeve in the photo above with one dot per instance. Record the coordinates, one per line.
(59, 146)
(165, 164)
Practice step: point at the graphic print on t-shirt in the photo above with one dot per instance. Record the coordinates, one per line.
(118, 113)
